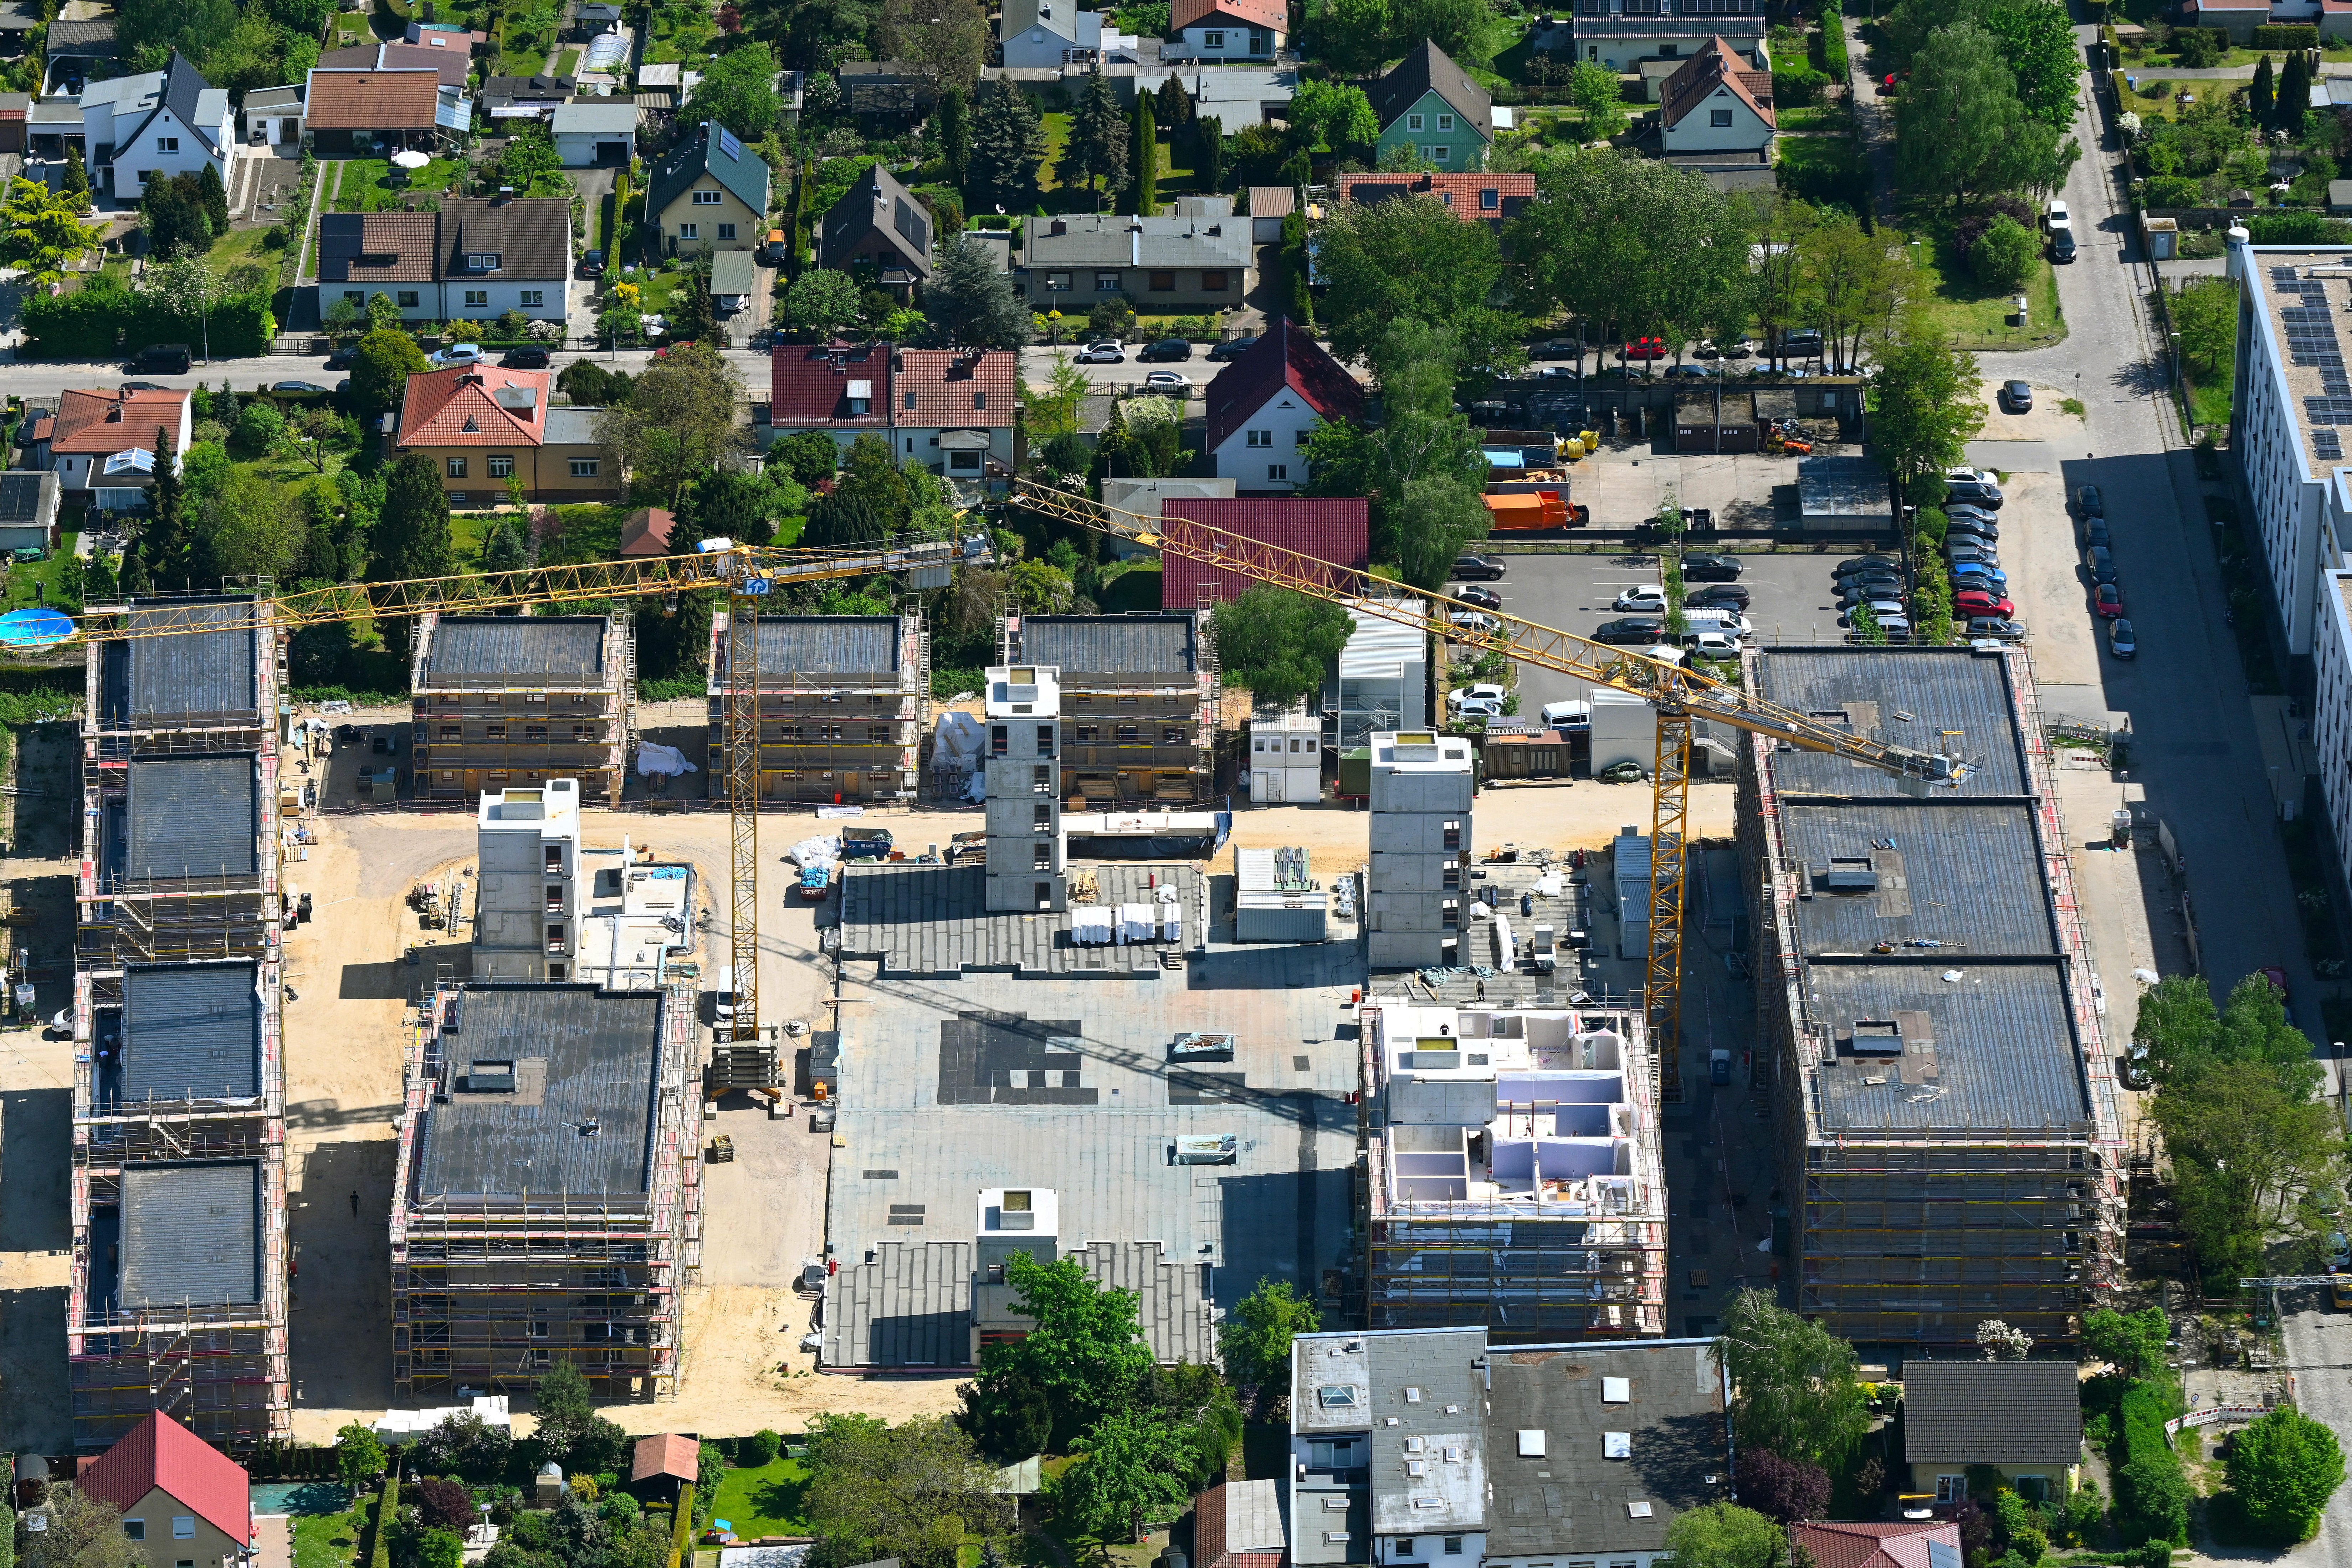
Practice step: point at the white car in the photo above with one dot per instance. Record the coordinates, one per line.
(1101, 354)
(1167, 381)
(1568, 715)
(456, 353)
(1485, 691)
(2057, 216)
(1662, 654)
(1713, 644)
(1486, 707)
(1649, 596)
(1474, 620)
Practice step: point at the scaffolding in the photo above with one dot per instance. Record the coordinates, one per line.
(833, 736)
(1131, 737)
(490, 1291)
(520, 727)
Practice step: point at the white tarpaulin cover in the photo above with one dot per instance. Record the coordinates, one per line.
(956, 742)
(662, 762)
(1172, 921)
(1089, 924)
(810, 852)
(1136, 923)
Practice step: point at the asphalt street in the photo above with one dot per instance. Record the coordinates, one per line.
(2319, 1360)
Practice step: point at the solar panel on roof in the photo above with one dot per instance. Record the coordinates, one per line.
(729, 145)
(2328, 410)
(2326, 445)
(2282, 275)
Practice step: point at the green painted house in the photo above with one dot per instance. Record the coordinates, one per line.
(1426, 104)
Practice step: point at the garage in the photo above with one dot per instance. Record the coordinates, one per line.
(1713, 420)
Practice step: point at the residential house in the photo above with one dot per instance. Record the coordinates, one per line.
(1268, 205)
(482, 425)
(1425, 103)
(1624, 34)
(596, 133)
(2022, 1418)
(477, 258)
(1160, 264)
(709, 194)
(73, 52)
(951, 410)
(880, 223)
(14, 108)
(1420, 1445)
(273, 114)
(28, 511)
(1239, 1524)
(1333, 529)
(446, 35)
(102, 445)
(1714, 103)
(1262, 406)
(182, 1501)
(1223, 30)
(450, 63)
(2239, 19)
(1044, 35)
(1236, 96)
(661, 1466)
(155, 122)
(360, 114)
(888, 87)
(1879, 1544)
(646, 532)
(505, 97)
(842, 389)
(1490, 199)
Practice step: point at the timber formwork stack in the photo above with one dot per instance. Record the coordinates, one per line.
(844, 702)
(155, 1322)
(490, 1291)
(520, 705)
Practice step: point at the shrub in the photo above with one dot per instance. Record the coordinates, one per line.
(2297, 228)
(1833, 51)
(2286, 35)
(2197, 48)
(760, 1448)
(1798, 88)
(2003, 255)
(2173, 191)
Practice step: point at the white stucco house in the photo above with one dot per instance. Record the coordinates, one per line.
(166, 123)
(1263, 406)
(1049, 34)
(1250, 31)
(475, 259)
(102, 445)
(1714, 103)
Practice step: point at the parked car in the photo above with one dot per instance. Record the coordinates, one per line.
(1986, 628)
(456, 353)
(1233, 348)
(1633, 631)
(2134, 1064)
(1730, 596)
(1984, 498)
(1165, 381)
(1486, 568)
(1805, 344)
(1878, 607)
(1873, 583)
(2055, 214)
(1979, 574)
(341, 358)
(1719, 1066)
(1972, 528)
(2089, 502)
(1647, 596)
(1569, 715)
(1864, 563)
(1555, 348)
(2100, 562)
(1703, 566)
(1703, 643)
(1738, 348)
(1977, 510)
(1484, 691)
(592, 263)
(1486, 708)
(1105, 353)
(2017, 397)
(1559, 372)
(1974, 603)
(2062, 244)
(524, 359)
(1173, 350)
(1968, 547)
(2121, 641)
(1643, 349)
(2094, 530)
(1484, 598)
(2107, 600)
(1473, 620)
(297, 389)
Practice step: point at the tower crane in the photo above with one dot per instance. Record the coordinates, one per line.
(1678, 695)
(746, 574)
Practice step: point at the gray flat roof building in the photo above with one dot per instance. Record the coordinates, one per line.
(191, 1233)
(191, 1032)
(1844, 495)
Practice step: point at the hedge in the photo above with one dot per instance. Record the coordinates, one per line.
(2151, 1491)
(387, 1512)
(2286, 35)
(1797, 89)
(1834, 52)
(681, 1534)
(103, 320)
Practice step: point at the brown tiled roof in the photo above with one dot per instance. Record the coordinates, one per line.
(103, 423)
(372, 99)
(1716, 65)
(809, 384)
(668, 1455)
(1285, 356)
(1877, 1544)
(1991, 1413)
(1274, 15)
(531, 235)
(475, 405)
(646, 532)
(373, 249)
(1460, 192)
(945, 385)
(450, 62)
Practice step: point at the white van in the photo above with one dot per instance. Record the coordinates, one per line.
(1717, 619)
(723, 1002)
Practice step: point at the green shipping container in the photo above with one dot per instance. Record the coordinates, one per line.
(1356, 772)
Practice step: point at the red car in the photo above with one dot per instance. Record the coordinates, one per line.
(2108, 600)
(1645, 348)
(1976, 603)
(2276, 977)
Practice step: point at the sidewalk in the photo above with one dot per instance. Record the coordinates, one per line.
(1872, 126)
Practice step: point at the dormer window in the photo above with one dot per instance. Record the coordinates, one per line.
(1488, 201)
(483, 260)
(472, 426)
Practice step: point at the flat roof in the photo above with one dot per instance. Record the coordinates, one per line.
(828, 645)
(1936, 698)
(2303, 317)
(192, 816)
(521, 646)
(935, 921)
(1843, 487)
(192, 672)
(192, 1233)
(911, 1306)
(1110, 645)
(1948, 875)
(2004, 1055)
(586, 1066)
(192, 1031)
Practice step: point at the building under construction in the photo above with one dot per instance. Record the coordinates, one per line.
(501, 700)
(547, 1203)
(178, 1293)
(1139, 701)
(1513, 1175)
(1950, 1145)
(843, 705)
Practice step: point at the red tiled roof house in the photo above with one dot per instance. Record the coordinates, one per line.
(952, 411)
(1227, 29)
(1903, 1544)
(104, 443)
(1262, 406)
(1338, 530)
(646, 532)
(660, 1466)
(1714, 103)
(183, 1502)
(1476, 198)
(1238, 1524)
(842, 389)
(482, 425)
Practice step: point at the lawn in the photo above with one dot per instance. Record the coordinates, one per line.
(1057, 137)
(366, 184)
(21, 588)
(352, 29)
(1978, 317)
(237, 247)
(1828, 171)
(1816, 117)
(569, 64)
(765, 1501)
(326, 1539)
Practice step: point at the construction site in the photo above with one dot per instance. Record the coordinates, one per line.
(178, 1296)
(1139, 701)
(1946, 1111)
(843, 704)
(519, 699)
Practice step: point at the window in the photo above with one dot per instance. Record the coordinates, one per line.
(1446, 122)
(1278, 471)
(1042, 815)
(1215, 282)
(1261, 438)
(1720, 119)
(706, 198)
(1212, 41)
(1441, 153)
(1453, 1546)
(1489, 201)
(725, 231)
(534, 299)
(1043, 891)
(964, 462)
(501, 467)
(477, 299)
(452, 732)
(1041, 856)
(1451, 913)
(355, 296)
(494, 731)
(998, 740)
(183, 1526)
(1045, 739)
(2033, 1488)
(1057, 282)
(689, 231)
(554, 859)
(456, 468)
(911, 400)
(167, 143)
(1950, 1489)
(407, 297)
(136, 1529)
(1404, 1547)
(534, 731)
(584, 467)
(1453, 835)
(1413, 123)
(1129, 734)
(1299, 437)
(482, 260)
(540, 1331)
(1163, 283)
(1106, 283)
(1170, 735)
(877, 734)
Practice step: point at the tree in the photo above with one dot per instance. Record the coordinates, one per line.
(1142, 195)
(1096, 155)
(2283, 1467)
(1087, 1352)
(1209, 152)
(2004, 255)
(162, 553)
(1411, 259)
(737, 89)
(1627, 240)
(1277, 643)
(1421, 442)
(380, 369)
(970, 301)
(214, 198)
(1254, 1341)
(1201, 1408)
(171, 212)
(2246, 1140)
(871, 474)
(2205, 314)
(439, 1501)
(411, 538)
(912, 1492)
(84, 1531)
(531, 161)
(1133, 1464)
(678, 422)
(820, 303)
(1923, 406)
(1961, 129)
(1595, 89)
(2003, 1342)
(258, 427)
(2262, 97)
(76, 184)
(252, 526)
(564, 1404)
(950, 36)
(43, 230)
(359, 1456)
(1329, 117)
(463, 1444)
(1725, 1535)
(2133, 1342)
(1006, 1415)
(1008, 147)
(1350, 36)
(1468, 30)
(1790, 1491)
(809, 456)
(954, 123)
(2294, 93)
(1794, 1385)
(2038, 41)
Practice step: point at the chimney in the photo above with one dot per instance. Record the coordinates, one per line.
(1135, 243)
(1059, 227)
(506, 195)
